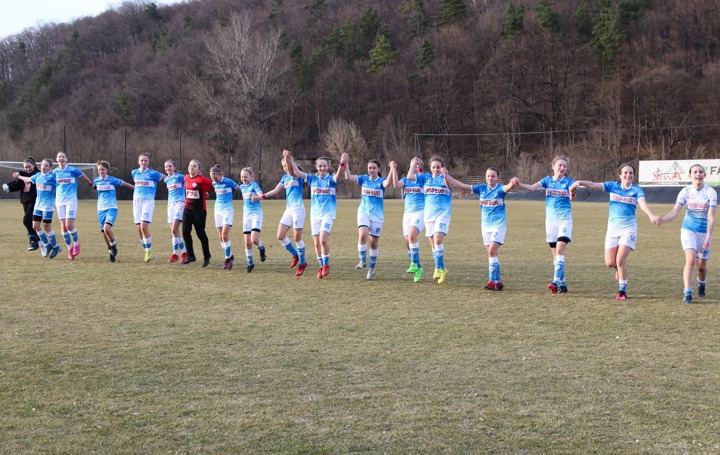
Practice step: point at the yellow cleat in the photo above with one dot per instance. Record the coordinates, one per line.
(148, 256)
(436, 274)
(443, 274)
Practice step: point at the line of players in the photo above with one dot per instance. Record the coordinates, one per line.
(427, 207)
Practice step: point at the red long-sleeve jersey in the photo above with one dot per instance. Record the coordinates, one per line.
(196, 189)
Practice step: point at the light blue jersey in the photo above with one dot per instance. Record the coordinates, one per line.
(557, 198)
(107, 195)
(293, 191)
(372, 197)
(623, 203)
(67, 184)
(414, 195)
(492, 203)
(176, 187)
(697, 203)
(224, 192)
(45, 185)
(248, 191)
(322, 196)
(145, 183)
(437, 196)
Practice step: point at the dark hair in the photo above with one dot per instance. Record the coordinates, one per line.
(104, 164)
(696, 164)
(437, 158)
(626, 164)
(216, 169)
(31, 160)
(494, 169)
(377, 163)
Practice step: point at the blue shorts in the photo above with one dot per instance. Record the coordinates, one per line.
(107, 216)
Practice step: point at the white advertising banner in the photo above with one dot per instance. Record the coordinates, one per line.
(671, 172)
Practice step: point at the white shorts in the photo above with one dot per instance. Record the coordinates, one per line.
(324, 223)
(225, 218)
(375, 227)
(694, 241)
(626, 236)
(496, 235)
(252, 223)
(143, 210)
(175, 211)
(556, 229)
(440, 225)
(67, 211)
(413, 220)
(295, 218)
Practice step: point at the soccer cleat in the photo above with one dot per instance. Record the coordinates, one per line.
(418, 275)
(436, 274)
(325, 270)
(701, 290)
(228, 264)
(499, 286)
(621, 295)
(112, 256)
(33, 246)
(562, 289)
(360, 265)
(148, 256)
(250, 268)
(413, 268)
(490, 286)
(263, 256)
(55, 251)
(46, 249)
(188, 259)
(294, 261)
(174, 258)
(206, 261)
(113, 250)
(183, 257)
(71, 256)
(443, 275)
(371, 274)
(300, 270)
(687, 298)
(320, 273)
(553, 288)
(76, 249)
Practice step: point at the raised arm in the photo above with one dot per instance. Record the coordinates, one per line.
(293, 169)
(511, 184)
(340, 170)
(392, 175)
(525, 186)
(348, 175)
(411, 171)
(454, 182)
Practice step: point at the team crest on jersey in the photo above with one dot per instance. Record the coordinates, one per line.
(194, 185)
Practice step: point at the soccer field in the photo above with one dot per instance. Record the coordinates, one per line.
(129, 357)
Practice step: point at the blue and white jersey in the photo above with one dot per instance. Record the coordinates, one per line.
(176, 187)
(248, 191)
(45, 185)
(67, 184)
(697, 203)
(623, 203)
(293, 191)
(437, 195)
(372, 197)
(492, 204)
(322, 195)
(557, 198)
(145, 183)
(414, 195)
(224, 194)
(107, 195)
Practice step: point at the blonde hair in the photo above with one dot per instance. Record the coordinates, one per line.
(560, 157)
(104, 164)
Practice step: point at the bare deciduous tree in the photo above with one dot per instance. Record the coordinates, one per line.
(345, 137)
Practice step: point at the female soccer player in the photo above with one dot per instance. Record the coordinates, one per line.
(413, 220)
(224, 211)
(438, 198)
(371, 211)
(175, 206)
(145, 180)
(622, 223)
(195, 213)
(323, 204)
(293, 217)
(494, 218)
(696, 233)
(107, 205)
(28, 195)
(45, 183)
(252, 217)
(66, 201)
(558, 217)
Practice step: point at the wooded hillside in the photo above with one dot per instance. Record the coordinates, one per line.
(480, 82)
